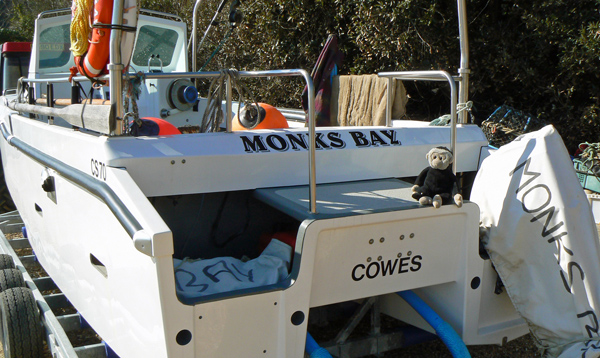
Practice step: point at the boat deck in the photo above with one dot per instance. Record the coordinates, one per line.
(341, 199)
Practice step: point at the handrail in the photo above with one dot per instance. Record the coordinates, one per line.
(59, 79)
(429, 76)
(463, 71)
(312, 177)
(56, 12)
(195, 34)
(115, 66)
(165, 15)
(95, 187)
(254, 74)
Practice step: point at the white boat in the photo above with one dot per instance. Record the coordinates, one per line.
(107, 213)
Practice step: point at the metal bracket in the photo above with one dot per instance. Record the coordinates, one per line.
(375, 342)
(143, 242)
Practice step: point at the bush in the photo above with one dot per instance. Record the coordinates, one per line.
(540, 57)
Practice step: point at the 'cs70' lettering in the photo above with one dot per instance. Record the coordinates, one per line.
(387, 268)
(98, 169)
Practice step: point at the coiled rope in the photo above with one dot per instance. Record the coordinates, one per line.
(132, 88)
(446, 118)
(81, 26)
(213, 115)
(464, 107)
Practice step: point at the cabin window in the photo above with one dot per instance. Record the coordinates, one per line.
(54, 47)
(153, 40)
(15, 67)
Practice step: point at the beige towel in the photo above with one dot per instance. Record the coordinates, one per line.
(360, 100)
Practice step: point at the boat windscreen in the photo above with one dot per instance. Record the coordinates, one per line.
(54, 53)
(157, 41)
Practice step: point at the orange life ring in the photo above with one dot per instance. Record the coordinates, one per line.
(93, 62)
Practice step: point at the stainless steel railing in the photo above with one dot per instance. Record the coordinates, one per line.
(427, 76)
(249, 74)
(312, 176)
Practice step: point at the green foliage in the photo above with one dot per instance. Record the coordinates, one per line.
(541, 57)
(373, 35)
(21, 15)
(7, 35)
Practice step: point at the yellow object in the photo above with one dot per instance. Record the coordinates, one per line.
(81, 26)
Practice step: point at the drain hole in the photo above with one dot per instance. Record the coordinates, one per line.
(297, 318)
(183, 337)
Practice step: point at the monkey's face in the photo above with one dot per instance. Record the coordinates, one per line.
(439, 158)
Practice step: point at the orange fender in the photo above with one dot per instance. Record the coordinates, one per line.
(164, 127)
(272, 119)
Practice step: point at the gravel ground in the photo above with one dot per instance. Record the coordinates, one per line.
(519, 348)
(522, 347)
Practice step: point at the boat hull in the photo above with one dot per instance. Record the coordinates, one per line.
(128, 295)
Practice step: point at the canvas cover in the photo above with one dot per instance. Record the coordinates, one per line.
(196, 278)
(540, 234)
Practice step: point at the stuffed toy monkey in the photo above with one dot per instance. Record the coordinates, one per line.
(436, 185)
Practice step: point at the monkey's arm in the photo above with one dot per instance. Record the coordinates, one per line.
(458, 199)
(421, 178)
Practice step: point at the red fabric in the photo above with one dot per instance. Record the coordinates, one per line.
(287, 237)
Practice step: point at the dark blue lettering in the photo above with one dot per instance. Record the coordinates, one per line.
(390, 267)
(223, 270)
(391, 135)
(373, 264)
(335, 140)
(354, 277)
(360, 139)
(297, 140)
(319, 142)
(525, 172)
(249, 275)
(276, 142)
(550, 213)
(416, 261)
(403, 262)
(591, 331)
(549, 196)
(569, 285)
(376, 139)
(254, 145)
(191, 282)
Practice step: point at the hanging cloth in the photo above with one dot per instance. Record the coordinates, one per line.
(322, 74)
